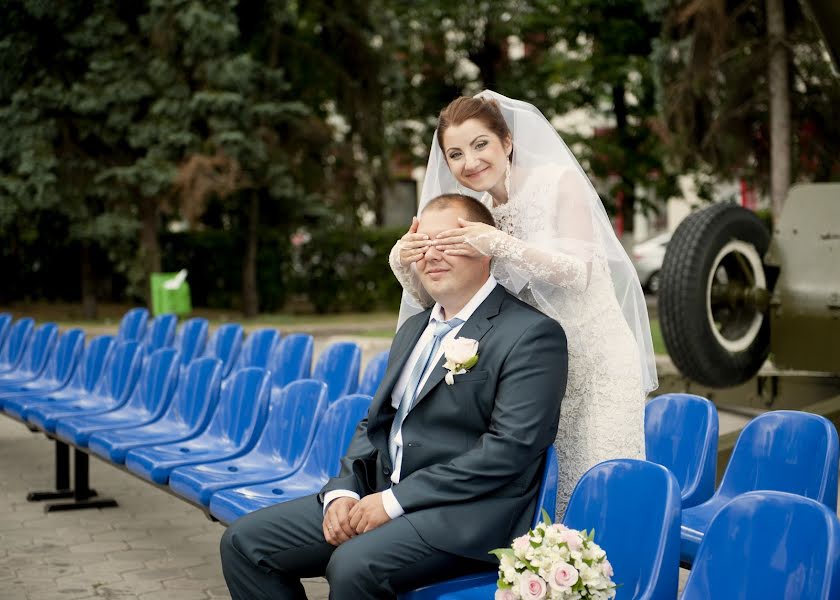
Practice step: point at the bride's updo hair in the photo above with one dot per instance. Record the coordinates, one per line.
(464, 108)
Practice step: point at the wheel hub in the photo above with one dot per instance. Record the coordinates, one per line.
(736, 295)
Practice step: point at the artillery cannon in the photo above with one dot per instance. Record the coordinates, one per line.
(733, 293)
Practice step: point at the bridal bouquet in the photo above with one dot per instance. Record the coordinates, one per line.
(554, 562)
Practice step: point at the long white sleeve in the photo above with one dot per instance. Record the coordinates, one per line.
(408, 278)
(554, 267)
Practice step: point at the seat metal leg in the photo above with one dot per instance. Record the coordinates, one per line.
(83, 496)
(62, 477)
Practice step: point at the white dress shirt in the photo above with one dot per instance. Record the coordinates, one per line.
(392, 507)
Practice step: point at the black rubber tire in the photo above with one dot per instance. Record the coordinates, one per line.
(685, 312)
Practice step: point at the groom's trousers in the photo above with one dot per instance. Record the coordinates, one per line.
(265, 553)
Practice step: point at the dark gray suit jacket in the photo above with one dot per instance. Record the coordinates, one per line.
(473, 451)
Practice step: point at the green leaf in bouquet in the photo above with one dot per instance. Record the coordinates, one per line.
(500, 552)
(470, 363)
(503, 585)
(545, 517)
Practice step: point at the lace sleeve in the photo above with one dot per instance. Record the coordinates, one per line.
(408, 278)
(553, 267)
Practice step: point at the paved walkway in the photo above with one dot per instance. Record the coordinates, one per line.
(153, 546)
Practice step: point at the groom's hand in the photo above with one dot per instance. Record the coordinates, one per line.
(337, 529)
(368, 514)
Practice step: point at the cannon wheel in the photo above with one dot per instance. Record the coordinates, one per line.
(714, 296)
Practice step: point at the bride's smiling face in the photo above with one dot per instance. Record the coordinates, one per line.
(475, 155)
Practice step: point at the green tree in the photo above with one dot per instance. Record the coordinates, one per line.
(589, 55)
(714, 76)
(595, 58)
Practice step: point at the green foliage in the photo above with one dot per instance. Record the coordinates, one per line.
(345, 269)
(711, 73)
(128, 119)
(336, 270)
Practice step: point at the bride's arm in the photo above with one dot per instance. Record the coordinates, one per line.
(408, 278)
(552, 266)
(559, 254)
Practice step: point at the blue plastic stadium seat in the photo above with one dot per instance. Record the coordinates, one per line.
(34, 359)
(338, 366)
(147, 403)
(133, 325)
(191, 339)
(634, 507)
(481, 586)
(84, 380)
(333, 435)
(58, 372)
(374, 372)
(292, 359)
(782, 450)
(5, 321)
(234, 429)
(282, 446)
(681, 434)
(119, 377)
(160, 333)
(16, 341)
(768, 545)
(186, 417)
(257, 349)
(225, 344)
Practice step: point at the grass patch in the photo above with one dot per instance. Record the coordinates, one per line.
(656, 335)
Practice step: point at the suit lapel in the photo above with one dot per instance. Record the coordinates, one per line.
(475, 328)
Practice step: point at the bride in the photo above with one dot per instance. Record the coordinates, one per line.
(555, 249)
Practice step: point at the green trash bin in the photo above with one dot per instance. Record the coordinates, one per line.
(171, 293)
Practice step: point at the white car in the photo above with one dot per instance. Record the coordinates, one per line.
(647, 258)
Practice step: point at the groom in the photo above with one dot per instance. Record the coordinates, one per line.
(439, 473)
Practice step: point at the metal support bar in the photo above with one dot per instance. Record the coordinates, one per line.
(82, 493)
(62, 477)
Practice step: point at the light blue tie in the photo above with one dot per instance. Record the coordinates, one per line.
(411, 390)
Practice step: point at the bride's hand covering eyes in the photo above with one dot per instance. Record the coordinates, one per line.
(413, 245)
(472, 238)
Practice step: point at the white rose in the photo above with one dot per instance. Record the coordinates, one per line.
(460, 350)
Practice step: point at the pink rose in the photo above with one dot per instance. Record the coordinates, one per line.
(504, 595)
(459, 350)
(532, 587)
(563, 576)
(572, 539)
(606, 568)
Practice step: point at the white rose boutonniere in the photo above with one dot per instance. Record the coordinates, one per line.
(461, 355)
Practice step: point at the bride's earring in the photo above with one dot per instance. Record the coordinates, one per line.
(507, 180)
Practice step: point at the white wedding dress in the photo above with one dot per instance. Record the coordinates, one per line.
(602, 414)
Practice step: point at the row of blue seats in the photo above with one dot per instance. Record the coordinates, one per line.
(785, 451)
(666, 510)
(38, 361)
(154, 414)
(770, 530)
(760, 544)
